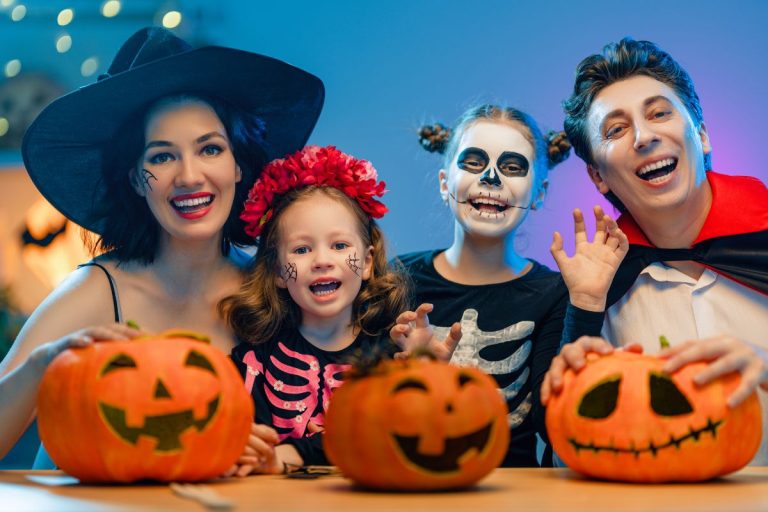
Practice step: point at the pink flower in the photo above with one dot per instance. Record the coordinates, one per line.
(313, 165)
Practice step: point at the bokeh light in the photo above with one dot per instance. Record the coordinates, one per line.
(65, 17)
(63, 43)
(89, 66)
(110, 8)
(171, 19)
(18, 13)
(12, 68)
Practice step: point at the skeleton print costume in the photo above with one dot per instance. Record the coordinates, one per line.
(510, 330)
(291, 382)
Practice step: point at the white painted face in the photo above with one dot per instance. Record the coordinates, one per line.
(489, 184)
(646, 148)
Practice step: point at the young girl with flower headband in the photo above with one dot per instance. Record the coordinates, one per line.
(320, 291)
(511, 308)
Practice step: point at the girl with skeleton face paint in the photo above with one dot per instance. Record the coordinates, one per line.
(510, 309)
(489, 184)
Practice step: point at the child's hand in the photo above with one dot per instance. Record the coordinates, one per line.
(259, 455)
(589, 272)
(412, 332)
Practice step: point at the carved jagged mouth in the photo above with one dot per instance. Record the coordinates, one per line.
(455, 447)
(166, 428)
(711, 427)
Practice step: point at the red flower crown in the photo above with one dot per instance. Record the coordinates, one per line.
(313, 165)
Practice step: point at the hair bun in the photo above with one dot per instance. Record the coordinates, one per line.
(558, 148)
(434, 137)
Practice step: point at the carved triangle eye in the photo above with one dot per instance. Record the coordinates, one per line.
(600, 401)
(666, 398)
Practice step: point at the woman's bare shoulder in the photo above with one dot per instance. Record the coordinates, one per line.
(81, 300)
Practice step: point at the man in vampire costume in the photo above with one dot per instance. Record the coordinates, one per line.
(694, 242)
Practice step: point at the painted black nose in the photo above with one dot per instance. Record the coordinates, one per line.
(491, 177)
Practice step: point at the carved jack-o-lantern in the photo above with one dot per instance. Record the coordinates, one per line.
(622, 418)
(417, 425)
(165, 407)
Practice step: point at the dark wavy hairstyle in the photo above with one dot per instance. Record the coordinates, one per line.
(549, 150)
(131, 231)
(261, 309)
(619, 61)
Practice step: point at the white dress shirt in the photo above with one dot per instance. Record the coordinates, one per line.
(664, 301)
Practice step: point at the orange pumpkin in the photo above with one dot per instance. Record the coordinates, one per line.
(417, 425)
(622, 418)
(166, 407)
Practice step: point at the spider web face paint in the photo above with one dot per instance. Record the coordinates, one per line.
(147, 175)
(353, 263)
(289, 272)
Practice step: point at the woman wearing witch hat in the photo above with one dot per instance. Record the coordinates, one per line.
(156, 158)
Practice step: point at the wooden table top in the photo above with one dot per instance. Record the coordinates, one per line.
(504, 489)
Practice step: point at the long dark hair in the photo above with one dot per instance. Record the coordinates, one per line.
(131, 232)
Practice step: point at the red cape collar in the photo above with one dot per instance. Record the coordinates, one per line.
(739, 206)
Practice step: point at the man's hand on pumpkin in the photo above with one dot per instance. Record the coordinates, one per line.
(590, 271)
(413, 332)
(46, 352)
(725, 354)
(574, 355)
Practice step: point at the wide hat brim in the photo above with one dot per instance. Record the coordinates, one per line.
(64, 148)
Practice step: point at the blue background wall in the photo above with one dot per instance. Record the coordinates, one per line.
(389, 66)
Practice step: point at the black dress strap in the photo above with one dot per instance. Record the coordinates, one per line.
(112, 287)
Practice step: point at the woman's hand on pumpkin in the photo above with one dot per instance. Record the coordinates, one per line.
(412, 331)
(45, 353)
(259, 453)
(725, 354)
(572, 355)
(590, 271)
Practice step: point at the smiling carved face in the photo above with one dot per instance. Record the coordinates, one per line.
(164, 408)
(417, 425)
(622, 418)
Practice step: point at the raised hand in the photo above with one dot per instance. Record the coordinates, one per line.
(589, 272)
(412, 332)
(725, 354)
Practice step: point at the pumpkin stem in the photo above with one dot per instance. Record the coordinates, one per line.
(132, 324)
(664, 342)
(182, 333)
(422, 352)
